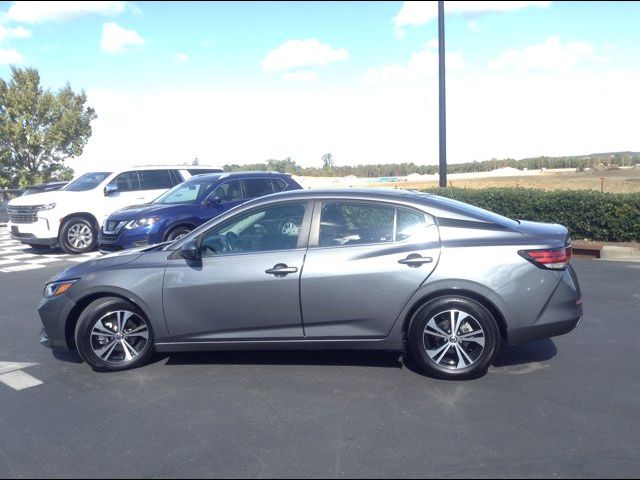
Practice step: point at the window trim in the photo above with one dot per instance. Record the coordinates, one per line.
(303, 237)
(314, 236)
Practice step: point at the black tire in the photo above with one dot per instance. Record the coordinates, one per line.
(453, 357)
(178, 232)
(105, 310)
(81, 229)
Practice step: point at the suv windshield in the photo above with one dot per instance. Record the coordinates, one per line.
(188, 192)
(88, 181)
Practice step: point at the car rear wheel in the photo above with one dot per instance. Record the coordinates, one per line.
(178, 232)
(453, 338)
(78, 235)
(112, 334)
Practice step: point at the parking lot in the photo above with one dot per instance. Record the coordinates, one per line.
(563, 407)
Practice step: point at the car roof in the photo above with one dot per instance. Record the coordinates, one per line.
(433, 204)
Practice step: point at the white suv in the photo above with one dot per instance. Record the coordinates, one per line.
(71, 217)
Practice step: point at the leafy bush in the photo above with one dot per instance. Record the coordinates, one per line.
(587, 214)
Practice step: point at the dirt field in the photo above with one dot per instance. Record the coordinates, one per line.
(615, 181)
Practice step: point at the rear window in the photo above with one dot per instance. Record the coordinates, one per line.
(475, 212)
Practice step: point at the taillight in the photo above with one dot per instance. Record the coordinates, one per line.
(549, 258)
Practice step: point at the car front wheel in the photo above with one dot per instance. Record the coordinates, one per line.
(77, 235)
(453, 338)
(112, 334)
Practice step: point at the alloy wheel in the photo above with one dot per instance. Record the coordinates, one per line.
(119, 337)
(80, 236)
(454, 339)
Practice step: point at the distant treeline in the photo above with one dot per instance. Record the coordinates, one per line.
(580, 162)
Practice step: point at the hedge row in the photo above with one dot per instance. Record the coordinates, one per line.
(587, 214)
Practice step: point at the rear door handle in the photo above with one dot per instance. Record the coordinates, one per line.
(281, 270)
(415, 260)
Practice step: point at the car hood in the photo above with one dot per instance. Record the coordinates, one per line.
(104, 262)
(135, 212)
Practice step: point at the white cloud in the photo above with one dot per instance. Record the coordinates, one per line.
(8, 57)
(294, 54)
(550, 56)
(473, 26)
(423, 64)
(421, 12)
(300, 76)
(116, 39)
(60, 11)
(15, 32)
(488, 115)
(182, 58)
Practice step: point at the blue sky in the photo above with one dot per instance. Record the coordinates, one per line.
(358, 79)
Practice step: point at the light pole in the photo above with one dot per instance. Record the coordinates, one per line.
(441, 92)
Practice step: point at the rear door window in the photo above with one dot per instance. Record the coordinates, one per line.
(278, 184)
(155, 179)
(257, 187)
(346, 223)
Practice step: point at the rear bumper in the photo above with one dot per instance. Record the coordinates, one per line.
(548, 330)
(560, 315)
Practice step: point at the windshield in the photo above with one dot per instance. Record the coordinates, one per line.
(188, 192)
(88, 181)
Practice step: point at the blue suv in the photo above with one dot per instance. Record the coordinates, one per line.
(186, 206)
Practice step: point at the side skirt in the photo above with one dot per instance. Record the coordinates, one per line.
(297, 344)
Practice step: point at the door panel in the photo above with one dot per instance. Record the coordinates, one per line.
(231, 297)
(359, 290)
(247, 284)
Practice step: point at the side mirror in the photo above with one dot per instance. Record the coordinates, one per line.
(212, 201)
(110, 188)
(190, 250)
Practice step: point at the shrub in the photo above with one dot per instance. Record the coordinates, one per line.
(587, 214)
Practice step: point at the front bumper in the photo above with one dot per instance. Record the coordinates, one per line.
(126, 239)
(41, 232)
(54, 313)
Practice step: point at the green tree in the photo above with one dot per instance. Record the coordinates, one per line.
(40, 129)
(327, 161)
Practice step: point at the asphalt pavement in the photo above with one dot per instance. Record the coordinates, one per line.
(566, 407)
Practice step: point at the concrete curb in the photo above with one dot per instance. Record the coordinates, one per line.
(621, 254)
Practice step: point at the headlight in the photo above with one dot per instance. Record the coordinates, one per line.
(54, 289)
(48, 206)
(142, 222)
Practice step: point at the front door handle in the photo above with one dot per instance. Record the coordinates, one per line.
(281, 270)
(415, 260)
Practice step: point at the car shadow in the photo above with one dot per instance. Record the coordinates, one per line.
(354, 358)
(531, 352)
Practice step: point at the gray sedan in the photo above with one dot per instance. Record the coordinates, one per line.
(441, 280)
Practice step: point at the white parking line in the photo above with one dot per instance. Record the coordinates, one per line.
(19, 380)
(11, 375)
(19, 268)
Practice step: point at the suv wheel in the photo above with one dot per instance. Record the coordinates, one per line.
(112, 334)
(78, 235)
(453, 338)
(178, 232)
